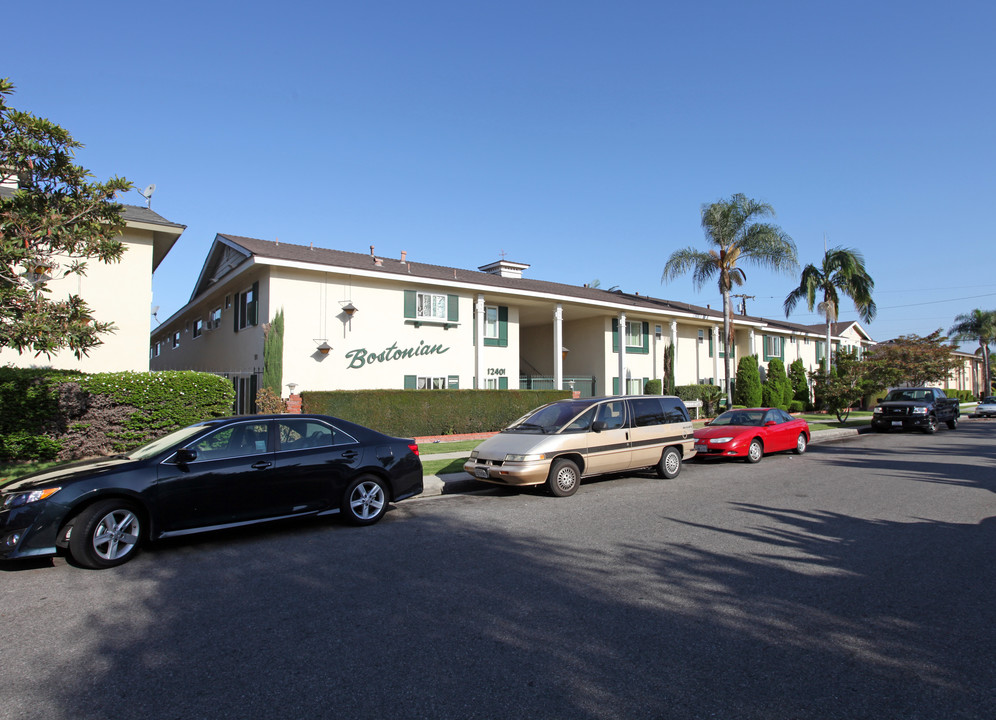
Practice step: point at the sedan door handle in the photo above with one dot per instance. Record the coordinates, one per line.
(261, 465)
(350, 454)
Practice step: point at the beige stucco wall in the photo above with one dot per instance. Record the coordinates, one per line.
(221, 349)
(368, 348)
(118, 292)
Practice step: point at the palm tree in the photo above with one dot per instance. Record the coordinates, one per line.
(842, 272)
(732, 227)
(977, 325)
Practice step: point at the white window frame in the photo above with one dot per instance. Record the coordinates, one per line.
(176, 339)
(775, 340)
(634, 386)
(431, 306)
(636, 325)
(430, 383)
(198, 327)
(491, 323)
(214, 319)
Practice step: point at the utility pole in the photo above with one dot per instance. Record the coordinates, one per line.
(743, 301)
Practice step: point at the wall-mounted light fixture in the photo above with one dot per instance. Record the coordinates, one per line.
(323, 346)
(563, 352)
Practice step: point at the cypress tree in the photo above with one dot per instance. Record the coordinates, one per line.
(273, 354)
(748, 385)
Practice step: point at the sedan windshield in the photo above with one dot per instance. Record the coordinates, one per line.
(165, 442)
(740, 417)
(549, 418)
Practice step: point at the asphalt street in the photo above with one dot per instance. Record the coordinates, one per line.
(855, 581)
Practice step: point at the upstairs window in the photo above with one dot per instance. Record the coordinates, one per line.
(247, 308)
(773, 346)
(176, 339)
(496, 326)
(198, 327)
(431, 307)
(214, 319)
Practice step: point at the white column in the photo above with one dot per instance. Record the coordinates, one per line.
(622, 353)
(479, 343)
(750, 342)
(716, 348)
(558, 347)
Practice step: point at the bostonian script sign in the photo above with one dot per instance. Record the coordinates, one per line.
(361, 357)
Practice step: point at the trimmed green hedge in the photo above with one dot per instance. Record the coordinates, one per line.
(54, 414)
(710, 395)
(419, 413)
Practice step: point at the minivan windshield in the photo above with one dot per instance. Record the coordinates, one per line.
(549, 418)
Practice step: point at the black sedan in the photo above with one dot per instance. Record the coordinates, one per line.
(215, 474)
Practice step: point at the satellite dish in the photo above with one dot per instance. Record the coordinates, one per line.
(147, 194)
(155, 313)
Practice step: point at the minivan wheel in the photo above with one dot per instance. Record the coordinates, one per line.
(564, 478)
(670, 463)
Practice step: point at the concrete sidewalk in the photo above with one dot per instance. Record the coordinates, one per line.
(456, 483)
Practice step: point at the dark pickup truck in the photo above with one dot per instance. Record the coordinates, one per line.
(916, 407)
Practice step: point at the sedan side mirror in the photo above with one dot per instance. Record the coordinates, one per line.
(184, 456)
(769, 423)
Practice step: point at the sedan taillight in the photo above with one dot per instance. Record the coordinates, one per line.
(413, 447)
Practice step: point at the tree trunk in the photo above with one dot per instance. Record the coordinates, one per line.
(727, 322)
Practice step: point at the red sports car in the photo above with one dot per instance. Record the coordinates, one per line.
(751, 432)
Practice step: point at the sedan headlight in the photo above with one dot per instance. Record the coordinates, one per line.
(524, 458)
(720, 441)
(14, 500)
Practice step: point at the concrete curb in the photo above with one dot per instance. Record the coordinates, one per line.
(460, 483)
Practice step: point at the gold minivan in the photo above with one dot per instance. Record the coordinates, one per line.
(560, 443)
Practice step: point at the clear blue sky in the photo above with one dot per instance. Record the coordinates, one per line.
(579, 137)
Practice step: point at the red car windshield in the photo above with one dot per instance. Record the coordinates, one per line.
(740, 417)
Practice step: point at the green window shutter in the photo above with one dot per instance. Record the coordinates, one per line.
(764, 339)
(253, 310)
(646, 339)
(411, 382)
(615, 335)
(453, 382)
(781, 348)
(235, 313)
(452, 308)
(409, 303)
(503, 383)
(502, 326)
(615, 386)
(711, 348)
(645, 381)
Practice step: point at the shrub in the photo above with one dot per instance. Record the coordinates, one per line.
(710, 395)
(797, 406)
(68, 415)
(413, 413)
(268, 402)
(776, 391)
(653, 387)
(748, 385)
(797, 379)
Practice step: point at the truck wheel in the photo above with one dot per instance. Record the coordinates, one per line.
(931, 427)
(953, 423)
